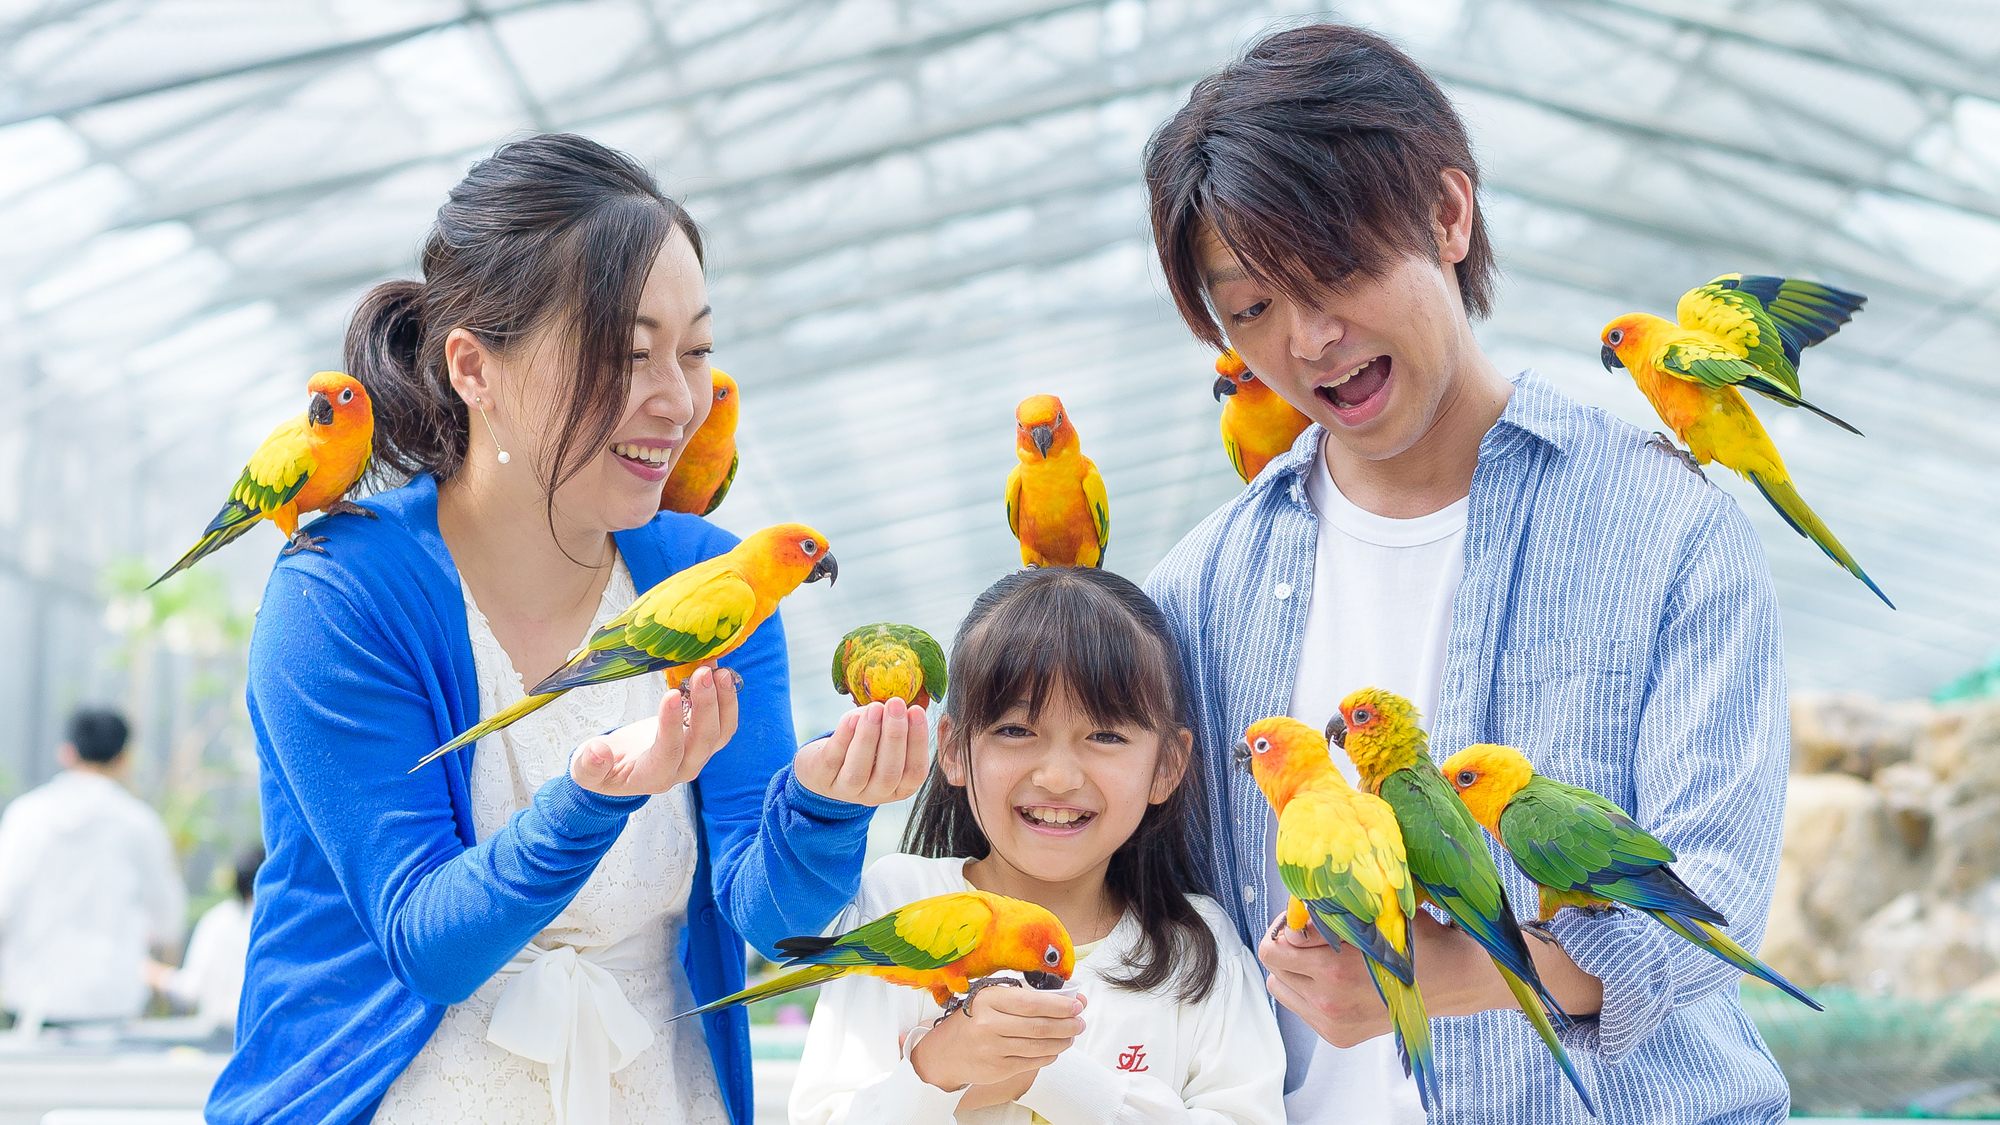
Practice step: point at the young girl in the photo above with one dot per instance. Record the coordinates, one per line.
(1063, 777)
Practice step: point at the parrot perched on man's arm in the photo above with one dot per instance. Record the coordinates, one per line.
(1448, 859)
(306, 465)
(692, 618)
(1583, 851)
(1056, 504)
(1736, 332)
(705, 469)
(1341, 856)
(884, 661)
(949, 945)
(1257, 425)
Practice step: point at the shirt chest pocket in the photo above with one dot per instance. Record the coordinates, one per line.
(1580, 695)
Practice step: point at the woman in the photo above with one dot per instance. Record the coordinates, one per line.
(499, 936)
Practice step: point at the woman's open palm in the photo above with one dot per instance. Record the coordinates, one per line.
(654, 755)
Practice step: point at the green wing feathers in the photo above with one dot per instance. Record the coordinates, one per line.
(884, 644)
(722, 490)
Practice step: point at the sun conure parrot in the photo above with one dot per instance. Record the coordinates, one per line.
(1448, 858)
(306, 465)
(689, 619)
(1055, 499)
(949, 945)
(706, 467)
(1341, 856)
(1257, 425)
(1584, 851)
(884, 661)
(1736, 332)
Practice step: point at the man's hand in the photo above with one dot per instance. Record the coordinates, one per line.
(997, 1044)
(654, 755)
(877, 754)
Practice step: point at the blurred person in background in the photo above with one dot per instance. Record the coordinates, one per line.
(210, 978)
(88, 886)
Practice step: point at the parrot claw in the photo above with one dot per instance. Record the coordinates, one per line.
(964, 1003)
(350, 508)
(1541, 930)
(303, 542)
(1668, 445)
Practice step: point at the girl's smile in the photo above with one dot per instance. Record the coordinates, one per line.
(1055, 820)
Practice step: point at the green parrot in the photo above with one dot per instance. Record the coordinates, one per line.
(884, 661)
(1584, 851)
(1448, 860)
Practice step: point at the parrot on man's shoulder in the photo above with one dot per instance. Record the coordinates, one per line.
(1257, 425)
(1056, 505)
(884, 661)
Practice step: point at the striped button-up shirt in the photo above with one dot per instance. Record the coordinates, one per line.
(1616, 621)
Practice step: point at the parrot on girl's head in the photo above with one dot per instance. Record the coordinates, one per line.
(306, 465)
(1341, 856)
(948, 945)
(692, 618)
(1257, 425)
(702, 475)
(1736, 332)
(1584, 851)
(1448, 858)
(884, 661)
(1055, 500)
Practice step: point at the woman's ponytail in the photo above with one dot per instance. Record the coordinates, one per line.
(418, 427)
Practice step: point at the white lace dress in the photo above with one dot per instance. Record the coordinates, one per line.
(636, 900)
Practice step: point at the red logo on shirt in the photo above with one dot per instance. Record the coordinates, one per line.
(1133, 1059)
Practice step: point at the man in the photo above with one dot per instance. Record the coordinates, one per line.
(87, 883)
(1527, 570)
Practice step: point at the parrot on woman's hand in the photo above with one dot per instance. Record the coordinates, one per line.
(1055, 500)
(688, 620)
(1584, 851)
(1736, 332)
(884, 661)
(1257, 425)
(702, 475)
(306, 465)
(1341, 855)
(950, 945)
(1448, 859)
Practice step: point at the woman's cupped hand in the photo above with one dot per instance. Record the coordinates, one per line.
(877, 754)
(654, 755)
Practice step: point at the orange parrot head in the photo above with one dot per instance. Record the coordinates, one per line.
(1232, 374)
(787, 554)
(1487, 777)
(1379, 731)
(1281, 752)
(722, 402)
(1032, 942)
(1627, 340)
(1042, 426)
(339, 400)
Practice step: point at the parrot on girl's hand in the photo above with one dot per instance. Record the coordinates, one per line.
(1341, 856)
(692, 618)
(1257, 425)
(1584, 851)
(884, 661)
(1055, 500)
(306, 465)
(950, 945)
(1448, 859)
(1736, 332)
(702, 475)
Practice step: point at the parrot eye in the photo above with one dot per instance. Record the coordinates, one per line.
(1246, 378)
(1466, 777)
(1261, 745)
(1362, 716)
(1615, 337)
(347, 394)
(1052, 956)
(721, 393)
(809, 546)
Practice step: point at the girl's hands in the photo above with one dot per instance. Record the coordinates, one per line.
(997, 1043)
(654, 755)
(877, 754)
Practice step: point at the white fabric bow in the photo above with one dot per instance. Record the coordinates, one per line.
(564, 1009)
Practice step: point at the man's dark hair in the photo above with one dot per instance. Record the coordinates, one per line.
(1316, 156)
(98, 734)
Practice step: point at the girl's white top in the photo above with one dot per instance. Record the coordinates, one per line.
(1142, 1056)
(589, 998)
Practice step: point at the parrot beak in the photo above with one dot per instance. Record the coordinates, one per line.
(1047, 982)
(1043, 438)
(1336, 730)
(320, 413)
(1224, 386)
(825, 568)
(1610, 358)
(1242, 753)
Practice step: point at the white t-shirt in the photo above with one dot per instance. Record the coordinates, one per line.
(211, 975)
(1142, 1057)
(1380, 616)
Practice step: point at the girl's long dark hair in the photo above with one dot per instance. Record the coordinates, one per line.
(1100, 640)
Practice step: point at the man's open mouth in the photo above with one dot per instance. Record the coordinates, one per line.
(1357, 386)
(651, 456)
(1046, 816)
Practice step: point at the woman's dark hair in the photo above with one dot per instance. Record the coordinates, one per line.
(1101, 641)
(247, 862)
(555, 230)
(1316, 156)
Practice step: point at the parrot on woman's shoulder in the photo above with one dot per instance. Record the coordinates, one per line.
(705, 469)
(1341, 855)
(1586, 852)
(1056, 504)
(1257, 425)
(884, 661)
(1448, 858)
(949, 945)
(689, 619)
(306, 465)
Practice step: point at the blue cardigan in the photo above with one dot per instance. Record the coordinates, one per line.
(378, 905)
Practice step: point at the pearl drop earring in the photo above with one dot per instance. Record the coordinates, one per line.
(503, 458)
